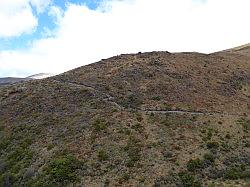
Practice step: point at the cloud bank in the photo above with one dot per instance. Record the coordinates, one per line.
(84, 36)
(16, 16)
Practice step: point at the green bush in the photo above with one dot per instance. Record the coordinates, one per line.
(213, 145)
(126, 176)
(225, 147)
(99, 125)
(63, 169)
(208, 135)
(132, 101)
(209, 157)
(1, 128)
(102, 155)
(234, 173)
(138, 127)
(7, 179)
(50, 146)
(133, 149)
(188, 180)
(194, 164)
(20, 155)
(4, 143)
(139, 117)
(156, 98)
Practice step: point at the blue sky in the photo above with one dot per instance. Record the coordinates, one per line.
(44, 21)
(54, 36)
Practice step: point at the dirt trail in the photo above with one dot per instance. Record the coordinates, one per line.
(110, 99)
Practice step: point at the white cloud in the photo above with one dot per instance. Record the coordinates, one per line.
(16, 18)
(84, 36)
(40, 4)
(56, 12)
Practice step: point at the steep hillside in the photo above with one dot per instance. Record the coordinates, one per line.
(243, 49)
(146, 119)
(187, 81)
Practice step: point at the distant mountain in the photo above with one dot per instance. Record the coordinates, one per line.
(12, 80)
(40, 76)
(148, 119)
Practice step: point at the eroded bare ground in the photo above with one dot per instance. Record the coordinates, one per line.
(153, 119)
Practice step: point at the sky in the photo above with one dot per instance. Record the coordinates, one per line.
(54, 36)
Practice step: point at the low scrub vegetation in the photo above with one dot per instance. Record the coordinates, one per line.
(63, 169)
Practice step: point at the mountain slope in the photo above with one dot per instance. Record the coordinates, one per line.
(189, 81)
(149, 119)
(243, 49)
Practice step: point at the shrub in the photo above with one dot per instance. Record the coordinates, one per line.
(225, 147)
(132, 101)
(139, 117)
(247, 144)
(126, 176)
(167, 154)
(209, 157)
(64, 169)
(138, 127)
(156, 98)
(50, 146)
(209, 135)
(194, 164)
(7, 179)
(102, 155)
(20, 154)
(99, 125)
(227, 136)
(188, 180)
(26, 142)
(4, 144)
(234, 173)
(133, 149)
(245, 124)
(213, 145)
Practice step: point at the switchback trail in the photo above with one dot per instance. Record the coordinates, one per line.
(188, 112)
(110, 99)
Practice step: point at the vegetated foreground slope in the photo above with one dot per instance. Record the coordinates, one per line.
(149, 119)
